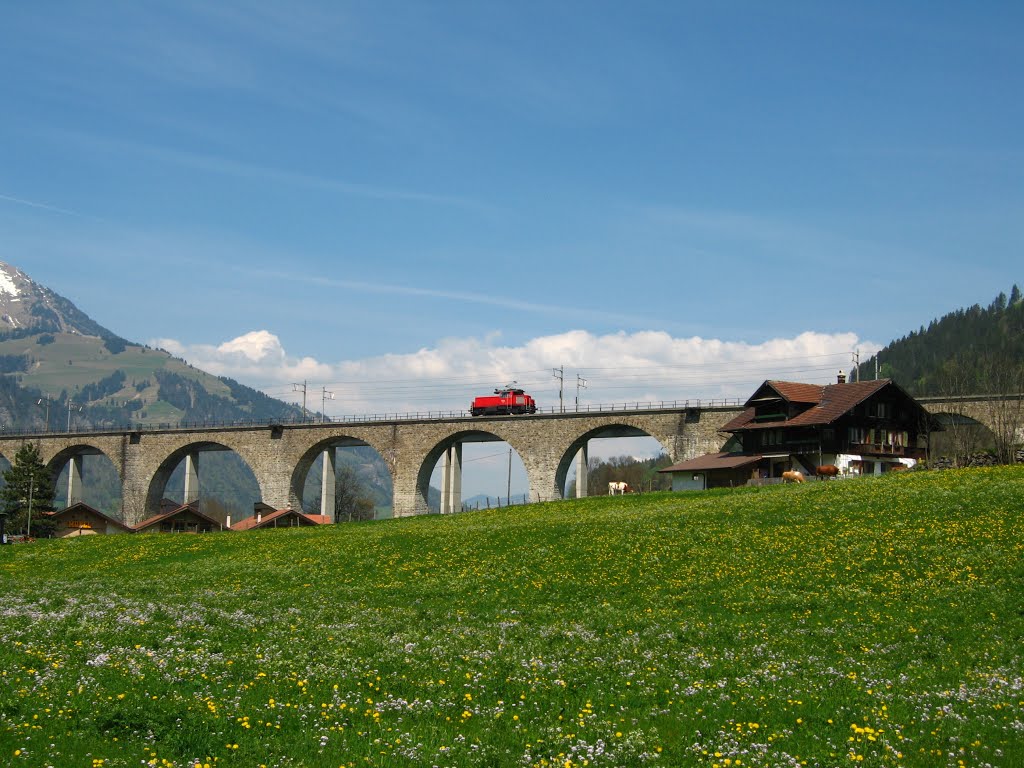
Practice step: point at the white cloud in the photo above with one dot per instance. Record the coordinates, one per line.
(256, 346)
(257, 356)
(646, 366)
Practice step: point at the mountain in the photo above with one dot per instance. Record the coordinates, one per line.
(61, 369)
(969, 351)
(28, 308)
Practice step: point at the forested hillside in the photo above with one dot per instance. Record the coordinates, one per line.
(978, 350)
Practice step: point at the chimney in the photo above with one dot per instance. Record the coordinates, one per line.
(841, 378)
(227, 523)
(259, 508)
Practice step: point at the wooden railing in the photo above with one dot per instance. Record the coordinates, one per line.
(878, 448)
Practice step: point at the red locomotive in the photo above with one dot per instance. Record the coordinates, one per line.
(504, 401)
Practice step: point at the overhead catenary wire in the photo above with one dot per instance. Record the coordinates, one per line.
(639, 378)
(618, 371)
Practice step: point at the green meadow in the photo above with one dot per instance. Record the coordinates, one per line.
(865, 622)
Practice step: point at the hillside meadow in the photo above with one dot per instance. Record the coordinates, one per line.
(74, 361)
(866, 622)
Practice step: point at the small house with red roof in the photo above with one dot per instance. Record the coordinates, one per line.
(79, 519)
(265, 516)
(184, 518)
(862, 427)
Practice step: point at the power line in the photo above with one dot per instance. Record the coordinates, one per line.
(481, 458)
(681, 376)
(446, 382)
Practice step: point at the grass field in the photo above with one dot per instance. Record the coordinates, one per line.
(868, 622)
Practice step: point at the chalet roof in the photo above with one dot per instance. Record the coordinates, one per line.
(321, 519)
(832, 402)
(79, 507)
(167, 514)
(791, 391)
(714, 461)
(268, 518)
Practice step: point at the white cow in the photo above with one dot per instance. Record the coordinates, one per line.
(618, 487)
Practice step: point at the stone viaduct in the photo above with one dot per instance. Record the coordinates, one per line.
(281, 456)
(986, 410)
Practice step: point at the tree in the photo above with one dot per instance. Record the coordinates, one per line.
(27, 492)
(1003, 378)
(352, 501)
(956, 380)
(640, 474)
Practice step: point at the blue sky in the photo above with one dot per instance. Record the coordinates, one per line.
(668, 199)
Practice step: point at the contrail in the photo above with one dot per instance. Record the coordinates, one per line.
(45, 207)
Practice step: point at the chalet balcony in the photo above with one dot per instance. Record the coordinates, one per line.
(878, 449)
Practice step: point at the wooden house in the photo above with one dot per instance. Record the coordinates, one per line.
(265, 516)
(864, 427)
(80, 519)
(185, 518)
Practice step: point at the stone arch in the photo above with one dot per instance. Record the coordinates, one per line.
(158, 479)
(615, 429)
(308, 458)
(70, 457)
(435, 452)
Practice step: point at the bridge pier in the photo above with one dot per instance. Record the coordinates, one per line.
(191, 492)
(407, 497)
(328, 484)
(581, 472)
(542, 473)
(451, 480)
(74, 479)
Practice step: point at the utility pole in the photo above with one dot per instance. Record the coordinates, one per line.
(508, 488)
(45, 398)
(325, 396)
(876, 366)
(560, 375)
(295, 388)
(581, 383)
(69, 412)
(856, 364)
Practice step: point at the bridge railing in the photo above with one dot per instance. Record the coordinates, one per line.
(596, 408)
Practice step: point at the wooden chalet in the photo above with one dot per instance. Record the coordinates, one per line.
(265, 516)
(864, 427)
(80, 519)
(184, 518)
